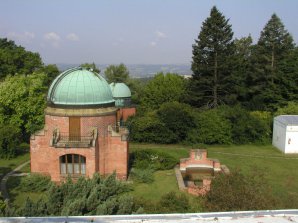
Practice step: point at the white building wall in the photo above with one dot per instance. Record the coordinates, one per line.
(279, 135)
(291, 141)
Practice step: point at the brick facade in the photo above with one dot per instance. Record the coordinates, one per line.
(124, 113)
(109, 153)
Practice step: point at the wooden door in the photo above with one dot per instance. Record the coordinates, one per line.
(74, 128)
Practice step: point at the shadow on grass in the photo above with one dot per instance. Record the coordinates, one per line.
(3, 171)
(13, 187)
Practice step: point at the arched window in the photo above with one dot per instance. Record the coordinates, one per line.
(73, 164)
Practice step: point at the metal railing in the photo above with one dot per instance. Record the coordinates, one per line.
(65, 137)
(66, 140)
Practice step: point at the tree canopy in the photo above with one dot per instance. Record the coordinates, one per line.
(163, 88)
(117, 73)
(16, 60)
(91, 66)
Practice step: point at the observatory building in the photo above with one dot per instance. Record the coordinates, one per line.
(82, 134)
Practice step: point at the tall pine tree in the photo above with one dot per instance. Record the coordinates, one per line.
(267, 81)
(211, 52)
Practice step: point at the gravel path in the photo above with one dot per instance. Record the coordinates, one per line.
(5, 178)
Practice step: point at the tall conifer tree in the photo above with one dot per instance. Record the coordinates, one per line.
(266, 82)
(210, 68)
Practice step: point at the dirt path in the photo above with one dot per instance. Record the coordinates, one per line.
(3, 188)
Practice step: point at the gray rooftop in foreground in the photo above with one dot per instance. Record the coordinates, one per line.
(271, 216)
(287, 119)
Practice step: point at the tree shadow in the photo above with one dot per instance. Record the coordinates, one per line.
(12, 187)
(4, 171)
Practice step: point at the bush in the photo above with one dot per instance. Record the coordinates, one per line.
(150, 129)
(155, 160)
(83, 197)
(212, 128)
(290, 109)
(173, 203)
(246, 127)
(239, 192)
(178, 118)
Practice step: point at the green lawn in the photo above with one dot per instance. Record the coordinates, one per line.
(279, 169)
(164, 182)
(7, 165)
(16, 196)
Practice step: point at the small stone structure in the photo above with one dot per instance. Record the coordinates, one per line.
(195, 173)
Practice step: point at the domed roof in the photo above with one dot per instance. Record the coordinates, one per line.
(80, 87)
(120, 90)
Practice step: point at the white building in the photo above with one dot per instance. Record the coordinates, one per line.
(285, 133)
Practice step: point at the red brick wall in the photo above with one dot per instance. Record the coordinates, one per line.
(124, 113)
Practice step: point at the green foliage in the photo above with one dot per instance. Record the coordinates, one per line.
(22, 102)
(16, 60)
(9, 139)
(169, 203)
(51, 71)
(241, 68)
(211, 128)
(2, 206)
(290, 109)
(239, 192)
(161, 89)
(246, 127)
(149, 128)
(270, 81)
(173, 203)
(91, 66)
(142, 175)
(84, 197)
(154, 159)
(35, 183)
(145, 162)
(177, 117)
(211, 53)
(117, 73)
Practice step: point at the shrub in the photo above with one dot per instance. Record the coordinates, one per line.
(150, 129)
(178, 118)
(212, 128)
(173, 203)
(237, 192)
(290, 109)
(149, 158)
(246, 127)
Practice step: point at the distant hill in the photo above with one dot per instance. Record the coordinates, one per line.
(142, 70)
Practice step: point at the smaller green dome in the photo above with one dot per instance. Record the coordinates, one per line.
(120, 90)
(80, 87)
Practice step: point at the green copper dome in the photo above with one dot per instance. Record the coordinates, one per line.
(80, 87)
(121, 94)
(120, 90)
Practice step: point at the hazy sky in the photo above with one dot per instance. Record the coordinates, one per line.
(129, 31)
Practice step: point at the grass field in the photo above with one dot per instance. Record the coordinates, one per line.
(279, 169)
(7, 165)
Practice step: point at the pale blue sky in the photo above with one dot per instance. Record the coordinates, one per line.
(132, 32)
